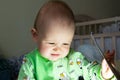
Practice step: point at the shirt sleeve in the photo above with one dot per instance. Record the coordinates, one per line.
(90, 70)
(26, 71)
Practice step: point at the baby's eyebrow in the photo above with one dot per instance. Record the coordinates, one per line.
(49, 41)
(69, 41)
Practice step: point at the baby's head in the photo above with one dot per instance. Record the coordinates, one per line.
(54, 29)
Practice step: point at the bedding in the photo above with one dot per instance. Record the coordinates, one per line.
(9, 68)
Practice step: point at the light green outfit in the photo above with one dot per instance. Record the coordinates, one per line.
(36, 67)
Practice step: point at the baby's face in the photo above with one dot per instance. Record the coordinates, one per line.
(55, 43)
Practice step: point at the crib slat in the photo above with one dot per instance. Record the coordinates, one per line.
(102, 43)
(95, 29)
(84, 31)
(114, 42)
(89, 29)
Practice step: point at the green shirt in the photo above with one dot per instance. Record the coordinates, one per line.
(72, 67)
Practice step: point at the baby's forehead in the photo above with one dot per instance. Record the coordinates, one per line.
(54, 11)
(57, 25)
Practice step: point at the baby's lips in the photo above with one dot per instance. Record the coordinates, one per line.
(55, 54)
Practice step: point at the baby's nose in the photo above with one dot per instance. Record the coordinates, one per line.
(57, 48)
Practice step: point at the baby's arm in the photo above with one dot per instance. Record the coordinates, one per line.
(95, 71)
(26, 71)
(106, 71)
(90, 70)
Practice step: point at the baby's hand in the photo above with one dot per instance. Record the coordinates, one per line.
(106, 71)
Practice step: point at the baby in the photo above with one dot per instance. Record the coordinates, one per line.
(53, 59)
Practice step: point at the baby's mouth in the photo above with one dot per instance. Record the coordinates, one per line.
(55, 54)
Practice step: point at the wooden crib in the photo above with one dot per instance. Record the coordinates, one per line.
(105, 31)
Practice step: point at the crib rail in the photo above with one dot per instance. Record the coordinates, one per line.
(113, 19)
(101, 38)
(97, 26)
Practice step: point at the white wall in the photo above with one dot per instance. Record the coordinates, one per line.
(17, 17)
(95, 8)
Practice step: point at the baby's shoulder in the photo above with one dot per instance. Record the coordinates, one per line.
(75, 54)
(32, 54)
(30, 57)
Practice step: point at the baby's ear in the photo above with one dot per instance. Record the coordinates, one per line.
(34, 34)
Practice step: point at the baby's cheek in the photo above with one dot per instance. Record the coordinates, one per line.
(66, 50)
(44, 49)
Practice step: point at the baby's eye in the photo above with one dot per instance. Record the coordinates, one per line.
(66, 44)
(51, 43)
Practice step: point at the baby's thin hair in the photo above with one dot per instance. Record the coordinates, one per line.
(52, 10)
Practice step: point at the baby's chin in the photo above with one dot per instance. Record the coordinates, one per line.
(56, 58)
